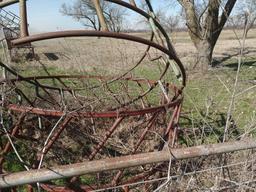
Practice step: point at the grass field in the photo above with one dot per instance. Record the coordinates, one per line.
(207, 97)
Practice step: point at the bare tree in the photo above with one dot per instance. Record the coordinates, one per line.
(247, 13)
(85, 12)
(205, 21)
(169, 22)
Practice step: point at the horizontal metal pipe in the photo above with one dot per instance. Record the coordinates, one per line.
(42, 175)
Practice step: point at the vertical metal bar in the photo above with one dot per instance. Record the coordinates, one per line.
(106, 137)
(148, 127)
(171, 122)
(23, 17)
(173, 131)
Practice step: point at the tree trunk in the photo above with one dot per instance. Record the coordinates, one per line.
(205, 28)
(100, 15)
(246, 32)
(204, 56)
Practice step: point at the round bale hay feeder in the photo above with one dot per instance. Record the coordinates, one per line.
(57, 120)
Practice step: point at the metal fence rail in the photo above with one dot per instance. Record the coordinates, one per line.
(42, 175)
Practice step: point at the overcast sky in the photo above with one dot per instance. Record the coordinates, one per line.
(44, 15)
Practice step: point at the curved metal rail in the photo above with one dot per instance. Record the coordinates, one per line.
(79, 33)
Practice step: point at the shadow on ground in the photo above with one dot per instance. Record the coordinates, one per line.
(233, 53)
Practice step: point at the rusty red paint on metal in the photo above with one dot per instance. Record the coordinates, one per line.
(110, 114)
(175, 103)
(148, 127)
(106, 137)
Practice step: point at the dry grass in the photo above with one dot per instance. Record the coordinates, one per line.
(210, 93)
(91, 53)
(206, 97)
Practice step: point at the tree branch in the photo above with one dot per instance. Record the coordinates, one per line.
(224, 17)
(192, 21)
(211, 22)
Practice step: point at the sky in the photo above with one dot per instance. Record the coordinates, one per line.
(44, 15)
